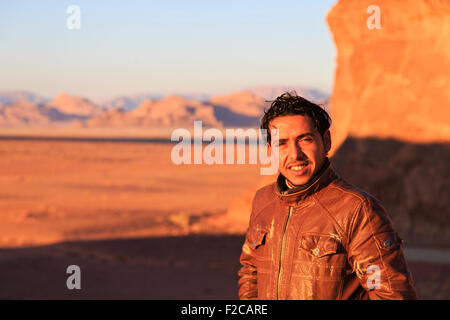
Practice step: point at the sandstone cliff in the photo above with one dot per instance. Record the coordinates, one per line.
(392, 81)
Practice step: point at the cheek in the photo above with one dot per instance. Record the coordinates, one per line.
(283, 156)
(313, 152)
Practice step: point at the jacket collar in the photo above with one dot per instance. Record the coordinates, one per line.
(319, 181)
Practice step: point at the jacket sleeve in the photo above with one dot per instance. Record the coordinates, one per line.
(248, 288)
(375, 253)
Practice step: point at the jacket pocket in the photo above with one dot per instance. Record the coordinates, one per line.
(388, 240)
(319, 245)
(393, 262)
(320, 266)
(257, 238)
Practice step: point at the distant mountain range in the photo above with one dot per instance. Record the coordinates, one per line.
(270, 92)
(9, 97)
(238, 109)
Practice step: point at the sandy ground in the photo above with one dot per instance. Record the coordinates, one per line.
(52, 191)
(180, 267)
(131, 219)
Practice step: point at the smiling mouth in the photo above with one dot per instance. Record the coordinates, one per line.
(298, 168)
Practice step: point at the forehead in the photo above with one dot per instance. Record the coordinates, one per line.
(292, 125)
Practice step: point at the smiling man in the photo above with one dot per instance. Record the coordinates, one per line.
(313, 235)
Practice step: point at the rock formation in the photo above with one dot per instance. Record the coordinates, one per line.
(73, 105)
(171, 111)
(23, 112)
(390, 107)
(392, 81)
(242, 102)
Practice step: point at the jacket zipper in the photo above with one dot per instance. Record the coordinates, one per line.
(282, 251)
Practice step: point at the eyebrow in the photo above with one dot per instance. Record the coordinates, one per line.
(307, 134)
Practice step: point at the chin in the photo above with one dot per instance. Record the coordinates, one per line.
(299, 182)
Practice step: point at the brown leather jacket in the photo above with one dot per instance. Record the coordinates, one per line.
(330, 241)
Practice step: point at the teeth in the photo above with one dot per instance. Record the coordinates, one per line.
(297, 167)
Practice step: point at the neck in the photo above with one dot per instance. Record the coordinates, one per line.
(290, 185)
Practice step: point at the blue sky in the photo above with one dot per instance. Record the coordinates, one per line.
(127, 47)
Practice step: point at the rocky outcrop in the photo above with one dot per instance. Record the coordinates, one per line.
(242, 102)
(241, 109)
(171, 111)
(23, 112)
(73, 105)
(392, 81)
(390, 108)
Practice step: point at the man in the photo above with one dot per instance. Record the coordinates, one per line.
(312, 235)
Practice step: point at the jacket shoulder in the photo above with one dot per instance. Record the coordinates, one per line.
(263, 198)
(343, 200)
(341, 189)
(348, 201)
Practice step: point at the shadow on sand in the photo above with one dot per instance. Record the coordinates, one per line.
(185, 267)
(182, 267)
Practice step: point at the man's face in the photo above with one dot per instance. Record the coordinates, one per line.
(302, 150)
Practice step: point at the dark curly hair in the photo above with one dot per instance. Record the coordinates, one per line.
(289, 103)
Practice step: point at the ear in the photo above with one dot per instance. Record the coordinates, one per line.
(327, 141)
